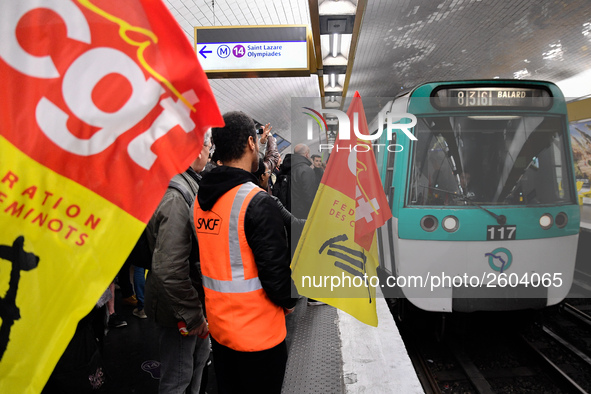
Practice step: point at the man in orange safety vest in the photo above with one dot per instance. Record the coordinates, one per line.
(245, 265)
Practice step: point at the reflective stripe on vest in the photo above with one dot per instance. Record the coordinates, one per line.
(238, 284)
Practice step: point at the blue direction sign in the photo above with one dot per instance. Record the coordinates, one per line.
(202, 52)
(254, 51)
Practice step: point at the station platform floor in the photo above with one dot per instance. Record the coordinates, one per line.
(332, 352)
(329, 352)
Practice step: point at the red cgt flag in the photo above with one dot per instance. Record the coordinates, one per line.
(102, 103)
(372, 210)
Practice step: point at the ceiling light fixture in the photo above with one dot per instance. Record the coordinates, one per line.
(335, 39)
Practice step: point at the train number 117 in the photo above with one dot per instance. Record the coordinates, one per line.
(500, 233)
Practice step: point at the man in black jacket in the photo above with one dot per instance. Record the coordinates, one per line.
(282, 185)
(245, 265)
(303, 182)
(317, 167)
(303, 189)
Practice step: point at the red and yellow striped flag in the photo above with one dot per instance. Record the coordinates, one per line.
(102, 103)
(336, 257)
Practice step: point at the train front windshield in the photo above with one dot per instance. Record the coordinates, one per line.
(490, 160)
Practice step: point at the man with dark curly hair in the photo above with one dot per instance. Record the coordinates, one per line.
(244, 263)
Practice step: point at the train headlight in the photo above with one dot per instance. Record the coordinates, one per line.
(561, 220)
(450, 223)
(429, 223)
(546, 221)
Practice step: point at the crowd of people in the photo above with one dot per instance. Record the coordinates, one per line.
(221, 243)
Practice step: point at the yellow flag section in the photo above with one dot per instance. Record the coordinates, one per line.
(328, 265)
(51, 227)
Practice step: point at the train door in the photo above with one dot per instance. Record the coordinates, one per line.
(386, 233)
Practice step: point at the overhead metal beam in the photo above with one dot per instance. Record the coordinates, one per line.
(361, 4)
(315, 21)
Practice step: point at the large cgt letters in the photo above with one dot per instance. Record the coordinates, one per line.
(77, 86)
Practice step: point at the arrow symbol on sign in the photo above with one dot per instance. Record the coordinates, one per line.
(202, 52)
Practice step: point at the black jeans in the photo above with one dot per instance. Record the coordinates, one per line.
(124, 282)
(240, 372)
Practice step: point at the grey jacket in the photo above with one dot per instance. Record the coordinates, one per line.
(172, 284)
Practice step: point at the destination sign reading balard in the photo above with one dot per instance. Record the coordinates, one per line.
(453, 98)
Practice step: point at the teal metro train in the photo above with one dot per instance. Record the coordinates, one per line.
(485, 212)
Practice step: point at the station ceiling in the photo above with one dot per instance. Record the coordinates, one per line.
(402, 43)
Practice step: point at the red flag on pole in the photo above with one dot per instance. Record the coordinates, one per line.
(372, 210)
(338, 239)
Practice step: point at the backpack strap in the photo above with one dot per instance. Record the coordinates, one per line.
(189, 200)
(183, 190)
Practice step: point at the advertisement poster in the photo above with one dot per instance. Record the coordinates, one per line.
(580, 132)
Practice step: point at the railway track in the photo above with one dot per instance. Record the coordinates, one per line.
(498, 358)
(558, 368)
(564, 343)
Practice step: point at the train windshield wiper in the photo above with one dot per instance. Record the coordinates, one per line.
(501, 219)
(442, 190)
